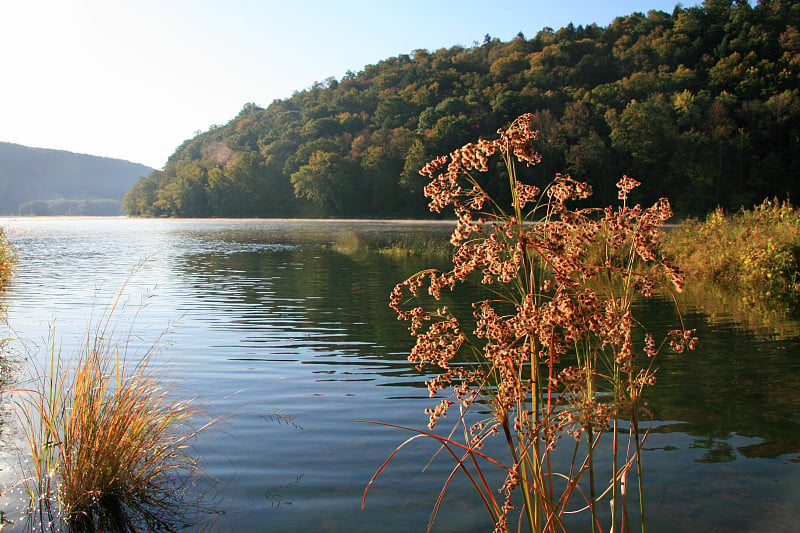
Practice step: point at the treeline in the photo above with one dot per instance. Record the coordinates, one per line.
(51, 208)
(701, 105)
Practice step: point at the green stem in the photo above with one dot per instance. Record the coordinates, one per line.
(592, 496)
(639, 466)
(589, 369)
(533, 505)
(615, 466)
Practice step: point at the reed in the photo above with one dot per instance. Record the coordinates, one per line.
(108, 441)
(552, 349)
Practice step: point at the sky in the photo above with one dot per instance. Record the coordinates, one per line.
(133, 79)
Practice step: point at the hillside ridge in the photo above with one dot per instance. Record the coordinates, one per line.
(33, 178)
(702, 105)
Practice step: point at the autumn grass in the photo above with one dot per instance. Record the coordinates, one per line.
(753, 252)
(432, 246)
(107, 442)
(7, 260)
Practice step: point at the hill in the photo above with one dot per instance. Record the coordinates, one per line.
(702, 105)
(43, 181)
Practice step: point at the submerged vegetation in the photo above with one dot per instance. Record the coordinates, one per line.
(108, 442)
(753, 253)
(553, 352)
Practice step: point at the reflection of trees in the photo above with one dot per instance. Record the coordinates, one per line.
(725, 306)
(736, 384)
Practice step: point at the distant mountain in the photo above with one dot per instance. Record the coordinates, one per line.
(40, 179)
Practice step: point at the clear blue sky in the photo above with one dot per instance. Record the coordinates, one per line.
(132, 79)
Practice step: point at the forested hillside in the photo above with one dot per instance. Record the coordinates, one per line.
(701, 105)
(41, 181)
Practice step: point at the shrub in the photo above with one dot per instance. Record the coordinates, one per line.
(7, 260)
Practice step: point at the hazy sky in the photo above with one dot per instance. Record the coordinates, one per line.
(133, 79)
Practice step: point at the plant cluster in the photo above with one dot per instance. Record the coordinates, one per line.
(755, 252)
(407, 246)
(108, 443)
(7, 260)
(553, 349)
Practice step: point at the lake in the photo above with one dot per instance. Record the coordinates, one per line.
(282, 330)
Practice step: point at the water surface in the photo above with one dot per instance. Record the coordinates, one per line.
(283, 329)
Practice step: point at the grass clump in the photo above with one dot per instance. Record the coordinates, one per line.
(108, 443)
(754, 252)
(7, 260)
(434, 246)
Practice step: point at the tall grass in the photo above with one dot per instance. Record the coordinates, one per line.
(754, 252)
(108, 441)
(6, 269)
(431, 246)
(7, 260)
(553, 349)
(403, 246)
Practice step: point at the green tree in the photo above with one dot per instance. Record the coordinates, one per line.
(186, 195)
(326, 180)
(645, 130)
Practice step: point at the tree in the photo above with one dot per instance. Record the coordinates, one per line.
(645, 130)
(326, 180)
(186, 195)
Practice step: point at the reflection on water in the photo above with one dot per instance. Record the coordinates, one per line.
(283, 328)
(727, 309)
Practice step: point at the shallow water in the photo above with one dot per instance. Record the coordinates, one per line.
(282, 329)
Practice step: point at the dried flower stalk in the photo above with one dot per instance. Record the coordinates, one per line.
(554, 340)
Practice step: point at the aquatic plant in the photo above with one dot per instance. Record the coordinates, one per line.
(108, 441)
(552, 349)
